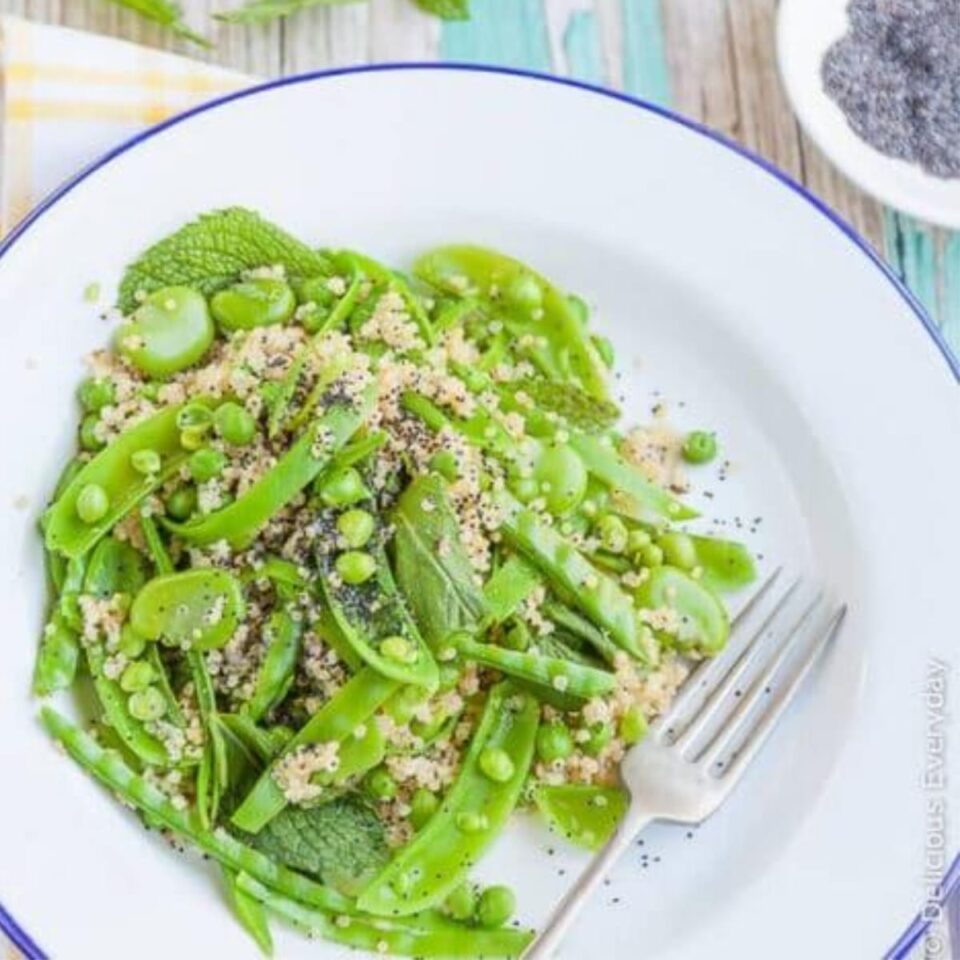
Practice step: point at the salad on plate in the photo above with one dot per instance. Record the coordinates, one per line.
(354, 564)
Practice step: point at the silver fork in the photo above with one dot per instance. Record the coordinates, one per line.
(697, 751)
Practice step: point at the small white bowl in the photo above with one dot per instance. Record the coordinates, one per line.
(805, 31)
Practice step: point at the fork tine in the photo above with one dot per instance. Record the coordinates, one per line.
(702, 677)
(728, 731)
(719, 696)
(768, 721)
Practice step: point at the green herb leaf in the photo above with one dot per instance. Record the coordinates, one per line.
(212, 251)
(431, 565)
(167, 14)
(260, 11)
(576, 406)
(341, 841)
(446, 9)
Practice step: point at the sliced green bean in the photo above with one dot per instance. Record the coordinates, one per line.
(107, 767)
(351, 707)
(439, 857)
(112, 470)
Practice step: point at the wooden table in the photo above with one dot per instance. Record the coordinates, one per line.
(713, 60)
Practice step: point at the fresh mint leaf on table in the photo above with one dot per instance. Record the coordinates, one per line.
(342, 842)
(261, 11)
(446, 9)
(167, 14)
(212, 252)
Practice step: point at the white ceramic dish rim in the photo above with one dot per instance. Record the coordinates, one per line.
(899, 184)
(950, 886)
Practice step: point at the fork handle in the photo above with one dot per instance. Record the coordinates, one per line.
(635, 819)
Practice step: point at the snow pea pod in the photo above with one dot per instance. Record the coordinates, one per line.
(506, 590)
(249, 911)
(107, 767)
(652, 503)
(240, 522)
(598, 596)
(112, 470)
(373, 612)
(572, 679)
(353, 705)
(199, 608)
(57, 657)
(702, 621)
(439, 857)
(581, 628)
(213, 775)
(529, 300)
(279, 661)
(430, 935)
(586, 815)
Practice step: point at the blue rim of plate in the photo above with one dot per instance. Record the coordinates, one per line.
(950, 885)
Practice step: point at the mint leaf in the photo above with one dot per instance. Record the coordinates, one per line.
(576, 406)
(446, 9)
(342, 842)
(167, 14)
(432, 568)
(260, 11)
(212, 251)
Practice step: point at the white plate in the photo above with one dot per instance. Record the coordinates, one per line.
(806, 29)
(723, 287)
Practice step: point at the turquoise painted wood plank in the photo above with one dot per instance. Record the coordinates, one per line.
(509, 33)
(931, 269)
(645, 71)
(581, 44)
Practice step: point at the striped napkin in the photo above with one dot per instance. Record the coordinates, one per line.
(69, 95)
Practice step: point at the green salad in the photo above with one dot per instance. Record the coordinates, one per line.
(354, 564)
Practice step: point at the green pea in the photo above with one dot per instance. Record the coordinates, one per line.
(638, 540)
(562, 478)
(678, 550)
(524, 291)
(397, 648)
(445, 463)
(423, 805)
(89, 439)
(651, 556)
(633, 726)
(470, 822)
(496, 907)
(253, 303)
(613, 533)
(699, 447)
(170, 331)
(205, 464)
(194, 415)
(343, 487)
(137, 676)
(496, 764)
(181, 503)
(92, 503)
(147, 704)
(461, 902)
(356, 527)
(355, 566)
(193, 438)
(147, 462)
(131, 643)
(600, 735)
(380, 784)
(235, 424)
(96, 393)
(316, 291)
(517, 637)
(554, 742)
